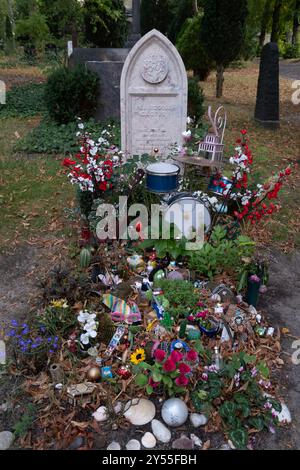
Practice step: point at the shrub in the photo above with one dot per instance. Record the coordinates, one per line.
(289, 51)
(195, 100)
(70, 93)
(33, 30)
(192, 50)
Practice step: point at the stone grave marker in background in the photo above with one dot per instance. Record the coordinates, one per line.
(267, 101)
(153, 97)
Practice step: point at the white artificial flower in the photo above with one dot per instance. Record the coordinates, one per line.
(78, 134)
(80, 125)
(187, 134)
(94, 151)
(83, 316)
(85, 338)
(189, 120)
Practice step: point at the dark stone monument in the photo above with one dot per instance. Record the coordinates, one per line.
(267, 101)
(108, 64)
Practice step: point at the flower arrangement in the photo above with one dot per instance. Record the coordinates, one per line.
(254, 204)
(170, 371)
(89, 326)
(93, 166)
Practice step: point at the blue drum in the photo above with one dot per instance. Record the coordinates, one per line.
(162, 177)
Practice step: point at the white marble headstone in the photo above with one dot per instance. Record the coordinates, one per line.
(153, 97)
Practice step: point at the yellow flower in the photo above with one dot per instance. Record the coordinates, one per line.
(62, 303)
(138, 356)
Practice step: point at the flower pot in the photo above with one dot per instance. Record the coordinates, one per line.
(210, 333)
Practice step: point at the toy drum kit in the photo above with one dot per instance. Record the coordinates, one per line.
(184, 209)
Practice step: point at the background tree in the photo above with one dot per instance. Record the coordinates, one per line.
(296, 21)
(64, 18)
(33, 31)
(192, 50)
(265, 21)
(156, 14)
(105, 22)
(181, 11)
(276, 21)
(223, 33)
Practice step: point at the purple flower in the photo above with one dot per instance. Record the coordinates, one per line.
(204, 376)
(254, 278)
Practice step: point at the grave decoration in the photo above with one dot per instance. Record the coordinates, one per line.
(150, 332)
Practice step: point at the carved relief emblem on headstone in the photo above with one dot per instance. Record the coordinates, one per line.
(155, 68)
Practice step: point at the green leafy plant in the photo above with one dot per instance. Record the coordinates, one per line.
(71, 93)
(221, 255)
(57, 319)
(181, 295)
(24, 100)
(237, 393)
(22, 426)
(195, 100)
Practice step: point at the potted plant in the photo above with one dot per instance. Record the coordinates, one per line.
(206, 324)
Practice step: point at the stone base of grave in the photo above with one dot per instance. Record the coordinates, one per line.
(268, 124)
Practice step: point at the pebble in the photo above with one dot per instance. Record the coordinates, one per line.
(6, 440)
(78, 442)
(148, 440)
(114, 446)
(139, 411)
(101, 414)
(196, 440)
(5, 406)
(198, 420)
(133, 444)
(160, 431)
(183, 443)
(225, 447)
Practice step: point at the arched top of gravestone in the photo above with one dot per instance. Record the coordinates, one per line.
(153, 96)
(153, 60)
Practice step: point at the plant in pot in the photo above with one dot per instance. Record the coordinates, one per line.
(206, 324)
(253, 278)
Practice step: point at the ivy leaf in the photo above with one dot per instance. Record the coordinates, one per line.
(141, 380)
(149, 389)
(239, 438)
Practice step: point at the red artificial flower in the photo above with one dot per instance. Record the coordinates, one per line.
(176, 356)
(159, 355)
(184, 368)
(191, 356)
(103, 186)
(182, 381)
(152, 383)
(68, 162)
(169, 365)
(244, 132)
(288, 171)
(139, 227)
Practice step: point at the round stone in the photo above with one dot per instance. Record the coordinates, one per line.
(133, 444)
(174, 412)
(114, 446)
(198, 420)
(139, 411)
(160, 431)
(148, 440)
(101, 414)
(6, 440)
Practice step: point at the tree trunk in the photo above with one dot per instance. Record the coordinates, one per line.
(195, 7)
(264, 23)
(296, 23)
(220, 81)
(276, 21)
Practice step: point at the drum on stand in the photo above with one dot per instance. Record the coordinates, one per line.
(162, 178)
(188, 213)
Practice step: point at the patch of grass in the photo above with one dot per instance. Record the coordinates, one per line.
(50, 137)
(22, 426)
(24, 100)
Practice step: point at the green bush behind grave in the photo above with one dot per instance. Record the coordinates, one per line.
(71, 93)
(50, 137)
(24, 101)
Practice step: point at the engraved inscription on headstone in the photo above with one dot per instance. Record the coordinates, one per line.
(153, 97)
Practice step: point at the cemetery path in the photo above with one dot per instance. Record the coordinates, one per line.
(290, 70)
(282, 303)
